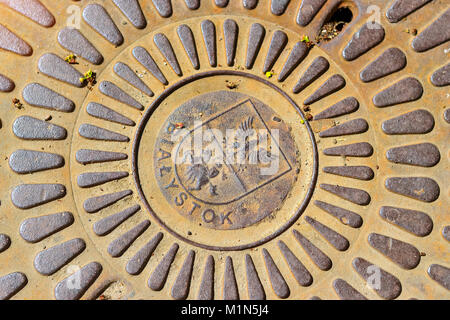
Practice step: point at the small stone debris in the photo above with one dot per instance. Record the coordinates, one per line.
(276, 119)
(71, 59)
(309, 43)
(411, 31)
(90, 78)
(269, 74)
(231, 84)
(17, 104)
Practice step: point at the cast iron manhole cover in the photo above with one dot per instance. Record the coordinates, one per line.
(221, 149)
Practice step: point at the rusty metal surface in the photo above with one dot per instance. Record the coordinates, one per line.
(95, 206)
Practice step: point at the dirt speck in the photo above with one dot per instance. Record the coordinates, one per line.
(115, 291)
(231, 84)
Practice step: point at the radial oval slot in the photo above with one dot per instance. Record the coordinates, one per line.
(86, 276)
(317, 256)
(279, 285)
(49, 261)
(36, 229)
(159, 275)
(255, 40)
(332, 85)
(405, 90)
(297, 268)
(181, 287)
(147, 61)
(27, 196)
(111, 90)
(415, 122)
(132, 10)
(32, 9)
(355, 126)
(96, 204)
(125, 72)
(37, 95)
(355, 172)
(424, 155)
(368, 36)
(138, 262)
(345, 216)
(164, 46)
(55, 67)
(338, 241)
(74, 41)
(99, 19)
(346, 291)
(416, 222)
(254, 286)
(102, 112)
(446, 233)
(29, 161)
(388, 286)
(231, 32)
(402, 253)
(277, 44)
(343, 107)
(108, 224)
(209, 38)
(92, 132)
(187, 39)
(440, 274)
(402, 8)
(278, 7)
(206, 289)
(11, 284)
(318, 67)
(441, 77)
(118, 246)
(5, 242)
(29, 128)
(164, 7)
(230, 288)
(298, 53)
(360, 149)
(221, 3)
(250, 4)
(419, 188)
(308, 10)
(93, 179)
(192, 4)
(437, 33)
(354, 195)
(86, 156)
(390, 61)
(6, 84)
(11, 42)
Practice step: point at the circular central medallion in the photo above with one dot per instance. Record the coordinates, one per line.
(219, 152)
(231, 170)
